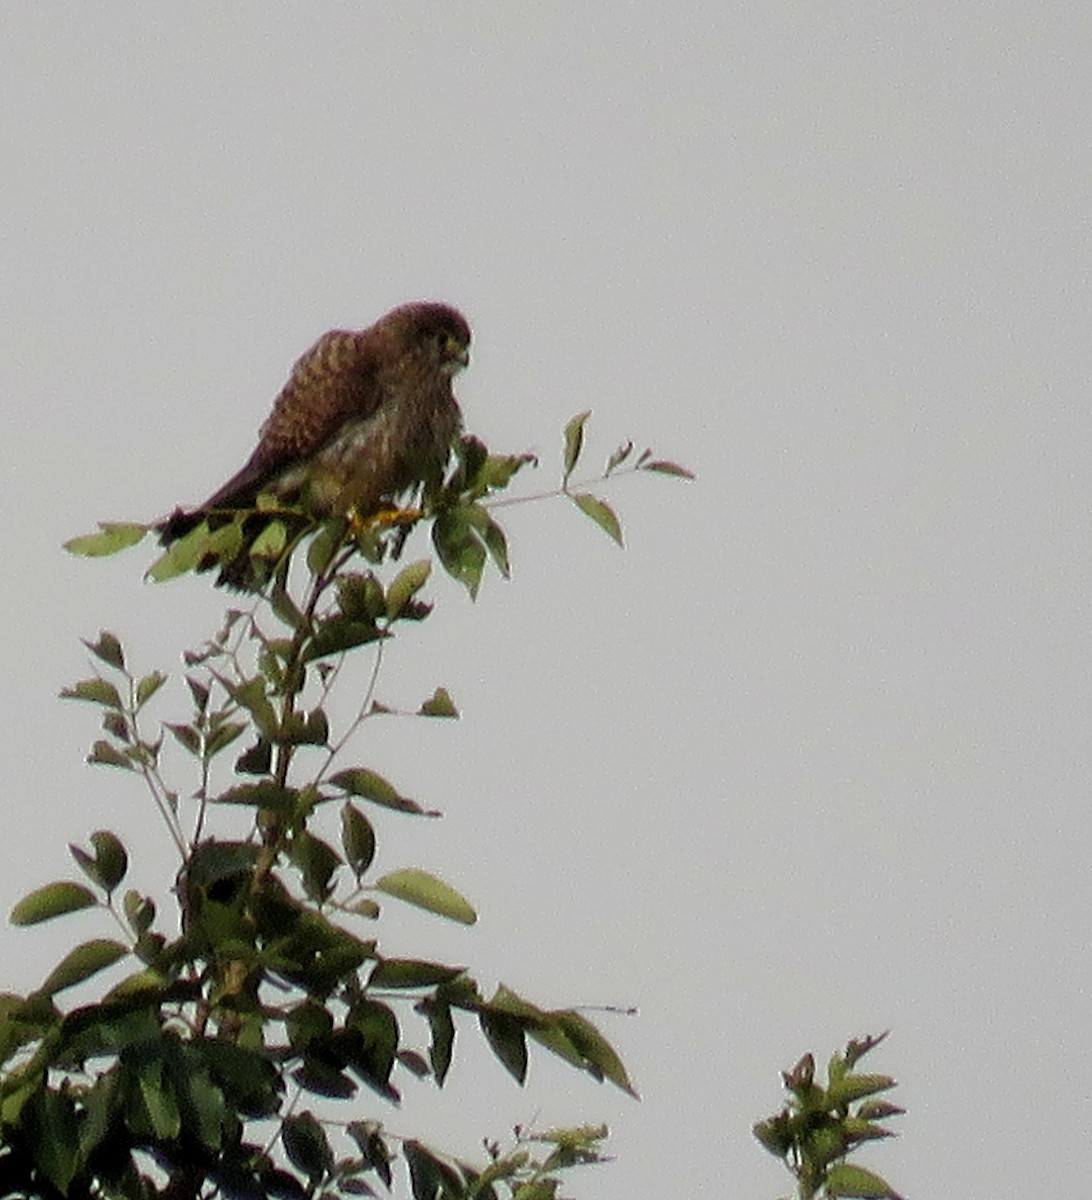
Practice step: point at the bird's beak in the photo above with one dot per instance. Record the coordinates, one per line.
(453, 364)
(456, 353)
(456, 356)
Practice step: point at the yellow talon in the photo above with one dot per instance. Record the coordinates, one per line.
(385, 516)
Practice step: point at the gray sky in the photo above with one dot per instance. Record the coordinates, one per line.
(809, 759)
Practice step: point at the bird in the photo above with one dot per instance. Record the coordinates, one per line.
(365, 416)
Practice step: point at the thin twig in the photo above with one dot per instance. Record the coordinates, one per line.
(565, 489)
(361, 716)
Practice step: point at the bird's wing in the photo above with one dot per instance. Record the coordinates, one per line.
(332, 383)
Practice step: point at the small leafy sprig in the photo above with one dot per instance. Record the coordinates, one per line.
(820, 1126)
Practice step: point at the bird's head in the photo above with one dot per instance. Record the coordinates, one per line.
(437, 331)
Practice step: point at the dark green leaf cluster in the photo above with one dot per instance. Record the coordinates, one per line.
(819, 1126)
(186, 1077)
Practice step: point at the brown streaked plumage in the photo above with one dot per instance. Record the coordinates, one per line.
(363, 417)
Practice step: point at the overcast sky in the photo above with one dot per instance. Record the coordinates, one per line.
(810, 758)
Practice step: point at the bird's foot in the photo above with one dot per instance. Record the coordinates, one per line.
(386, 518)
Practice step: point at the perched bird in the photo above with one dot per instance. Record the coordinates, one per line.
(365, 415)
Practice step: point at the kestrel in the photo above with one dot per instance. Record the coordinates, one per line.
(365, 415)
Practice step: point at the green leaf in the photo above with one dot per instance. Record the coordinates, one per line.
(857, 1048)
(317, 861)
(538, 1189)
(199, 692)
(159, 1102)
(472, 456)
(574, 443)
(222, 737)
(338, 633)
(406, 584)
(426, 891)
(251, 695)
(186, 736)
(801, 1079)
(775, 1133)
(116, 724)
(298, 729)
(360, 597)
(205, 1112)
(877, 1110)
(439, 704)
(667, 468)
(270, 543)
(139, 911)
(102, 752)
(322, 1079)
(257, 760)
(618, 457)
(185, 554)
(52, 900)
(53, 1131)
(442, 1028)
(108, 649)
(261, 795)
(847, 1179)
(306, 1145)
(415, 1063)
(371, 1044)
(325, 544)
(214, 862)
(825, 1141)
(113, 861)
(497, 545)
(463, 535)
(507, 1038)
(601, 513)
(81, 963)
(305, 1022)
(368, 785)
(108, 866)
(249, 1081)
(461, 550)
(148, 687)
(432, 1177)
(597, 1052)
(373, 1150)
(858, 1130)
(357, 839)
(411, 973)
(284, 607)
(498, 469)
(111, 538)
(508, 1001)
(856, 1087)
(96, 690)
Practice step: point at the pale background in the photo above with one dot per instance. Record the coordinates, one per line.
(809, 759)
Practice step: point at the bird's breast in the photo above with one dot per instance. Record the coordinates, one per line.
(371, 459)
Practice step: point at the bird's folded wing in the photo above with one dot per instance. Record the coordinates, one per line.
(333, 383)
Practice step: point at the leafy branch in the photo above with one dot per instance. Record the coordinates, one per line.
(464, 534)
(262, 989)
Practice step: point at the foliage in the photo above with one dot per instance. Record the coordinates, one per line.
(820, 1126)
(214, 1064)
